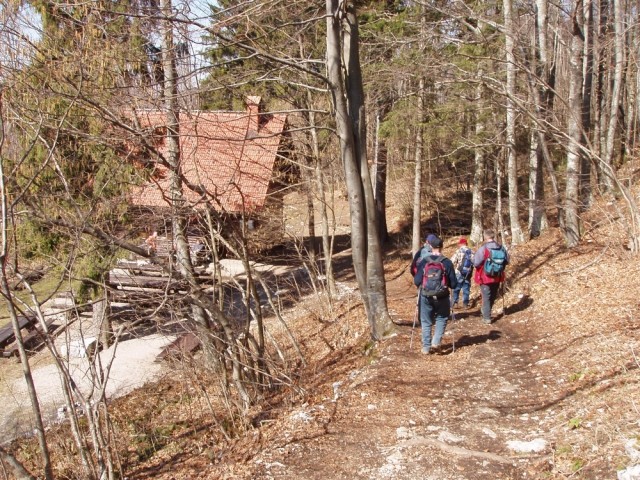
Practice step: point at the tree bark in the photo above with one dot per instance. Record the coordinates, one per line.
(416, 238)
(616, 92)
(585, 190)
(574, 129)
(348, 98)
(517, 236)
(477, 202)
(380, 162)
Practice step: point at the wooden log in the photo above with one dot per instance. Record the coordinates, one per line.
(185, 344)
(144, 281)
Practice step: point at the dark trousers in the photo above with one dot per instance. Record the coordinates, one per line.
(489, 294)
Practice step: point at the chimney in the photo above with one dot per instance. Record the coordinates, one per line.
(253, 111)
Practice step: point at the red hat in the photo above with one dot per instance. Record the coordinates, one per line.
(462, 241)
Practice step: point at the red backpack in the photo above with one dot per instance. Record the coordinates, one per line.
(434, 278)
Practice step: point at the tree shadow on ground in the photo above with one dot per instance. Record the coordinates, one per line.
(524, 302)
(468, 340)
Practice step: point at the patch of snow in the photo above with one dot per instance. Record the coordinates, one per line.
(633, 452)
(448, 437)
(79, 348)
(343, 289)
(534, 446)
(489, 433)
(630, 473)
(371, 406)
(302, 416)
(336, 392)
(403, 433)
(392, 467)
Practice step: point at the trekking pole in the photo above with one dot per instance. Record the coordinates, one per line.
(504, 311)
(415, 318)
(453, 330)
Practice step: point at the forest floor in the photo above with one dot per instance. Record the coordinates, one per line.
(549, 390)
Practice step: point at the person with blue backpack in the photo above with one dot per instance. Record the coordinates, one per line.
(490, 261)
(463, 264)
(434, 277)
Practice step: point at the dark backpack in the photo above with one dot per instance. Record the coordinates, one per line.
(496, 260)
(434, 278)
(466, 265)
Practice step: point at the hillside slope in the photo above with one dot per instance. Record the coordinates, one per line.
(557, 373)
(550, 390)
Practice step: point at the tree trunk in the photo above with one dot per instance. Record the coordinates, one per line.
(327, 249)
(416, 238)
(366, 251)
(537, 214)
(602, 43)
(178, 221)
(517, 236)
(477, 202)
(380, 162)
(574, 130)
(616, 93)
(585, 190)
(311, 213)
(102, 320)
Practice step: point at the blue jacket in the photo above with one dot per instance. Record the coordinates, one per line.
(449, 271)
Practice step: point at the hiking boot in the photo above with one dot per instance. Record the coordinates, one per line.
(436, 348)
(425, 350)
(487, 321)
(466, 306)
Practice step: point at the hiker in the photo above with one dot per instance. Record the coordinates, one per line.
(152, 244)
(489, 261)
(463, 264)
(421, 254)
(434, 277)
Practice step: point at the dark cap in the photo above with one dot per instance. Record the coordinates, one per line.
(435, 242)
(430, 238)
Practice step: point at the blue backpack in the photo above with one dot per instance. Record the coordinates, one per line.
(466, 265)
(496, 260)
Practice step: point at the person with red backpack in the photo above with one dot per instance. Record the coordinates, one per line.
(490, 261)
(463, 264)
(434, 277)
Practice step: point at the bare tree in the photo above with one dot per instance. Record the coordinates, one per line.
(574, 129)
(345, 84)
(416, 239)
(616, 92)
(512, 164)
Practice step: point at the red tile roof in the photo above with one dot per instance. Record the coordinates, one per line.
(227, 153)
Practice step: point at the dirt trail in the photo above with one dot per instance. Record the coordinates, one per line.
(516, 399)
(444, 416)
